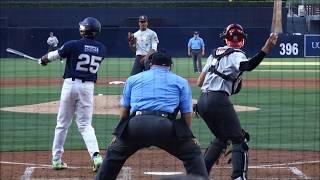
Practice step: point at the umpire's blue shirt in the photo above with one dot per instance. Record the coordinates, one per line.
(195, 43)
(157, 89)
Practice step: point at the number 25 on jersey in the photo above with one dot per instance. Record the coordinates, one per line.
(85, 59)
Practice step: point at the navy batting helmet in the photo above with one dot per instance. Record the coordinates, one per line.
(90, 27)
(234, 36)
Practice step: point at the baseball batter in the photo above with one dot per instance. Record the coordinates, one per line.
(143, 43)
(84, 57)
(147, 118)
(221, 78)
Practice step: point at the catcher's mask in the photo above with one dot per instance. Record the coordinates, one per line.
(161, 58)
(90, 27)
(234, 36)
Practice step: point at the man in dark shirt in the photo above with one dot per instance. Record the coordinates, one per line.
(147, 118)
(83, 60)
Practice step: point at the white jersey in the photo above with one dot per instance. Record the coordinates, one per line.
(53, 41)
(146, 40)
(228, 65)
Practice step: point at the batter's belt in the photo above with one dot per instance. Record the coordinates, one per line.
(79, 79)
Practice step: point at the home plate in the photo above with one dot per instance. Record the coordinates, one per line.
(116, 82)
(162, 173)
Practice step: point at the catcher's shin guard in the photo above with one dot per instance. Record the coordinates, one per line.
(240, 161)
(213, 153)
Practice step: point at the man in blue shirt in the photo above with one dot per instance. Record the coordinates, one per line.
(148, 118)
(196, 50)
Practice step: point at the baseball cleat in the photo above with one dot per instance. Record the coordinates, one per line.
(97, 161)
(57, 165)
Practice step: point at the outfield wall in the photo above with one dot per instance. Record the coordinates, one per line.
(174, 40)
(27, 29)
(127, 17)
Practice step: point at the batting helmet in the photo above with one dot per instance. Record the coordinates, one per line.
(234, 36)
(90, 27)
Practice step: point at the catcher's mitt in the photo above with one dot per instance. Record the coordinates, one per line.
(131, 39)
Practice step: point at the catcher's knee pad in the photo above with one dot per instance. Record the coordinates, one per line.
(213, 152)
(216, 146)
(240, 160)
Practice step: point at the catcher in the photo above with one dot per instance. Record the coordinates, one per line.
(143, 43)
(219, 79)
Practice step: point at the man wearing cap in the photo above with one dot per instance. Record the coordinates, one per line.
(148, 118)
(52, 41)
(143, 43)
(196, 50)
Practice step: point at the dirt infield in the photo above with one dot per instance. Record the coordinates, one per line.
(264, 164)
(103, 104)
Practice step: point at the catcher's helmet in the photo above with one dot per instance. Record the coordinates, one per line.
(90, 27)
(234, 36)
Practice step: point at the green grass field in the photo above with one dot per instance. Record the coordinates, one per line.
(289, 118)
(120, 67)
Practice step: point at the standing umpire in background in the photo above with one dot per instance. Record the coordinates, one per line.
(220, 78)
(147, 118)
(143, 43)
(196, 50)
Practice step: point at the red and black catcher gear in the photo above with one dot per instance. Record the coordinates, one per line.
(234, 36)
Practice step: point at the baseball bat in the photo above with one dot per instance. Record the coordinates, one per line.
(276, 25)
(21, 54)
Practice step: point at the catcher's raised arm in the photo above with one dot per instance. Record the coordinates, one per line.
(132, 41)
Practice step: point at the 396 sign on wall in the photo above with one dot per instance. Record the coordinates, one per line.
(289, 49)
(297, 46)
(288, 46)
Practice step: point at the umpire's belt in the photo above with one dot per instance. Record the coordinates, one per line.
(156, 113)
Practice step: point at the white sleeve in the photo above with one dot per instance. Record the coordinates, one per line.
(236, 58)
(206, 67)
(154, 41)
(53, 55)
(136, 34)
